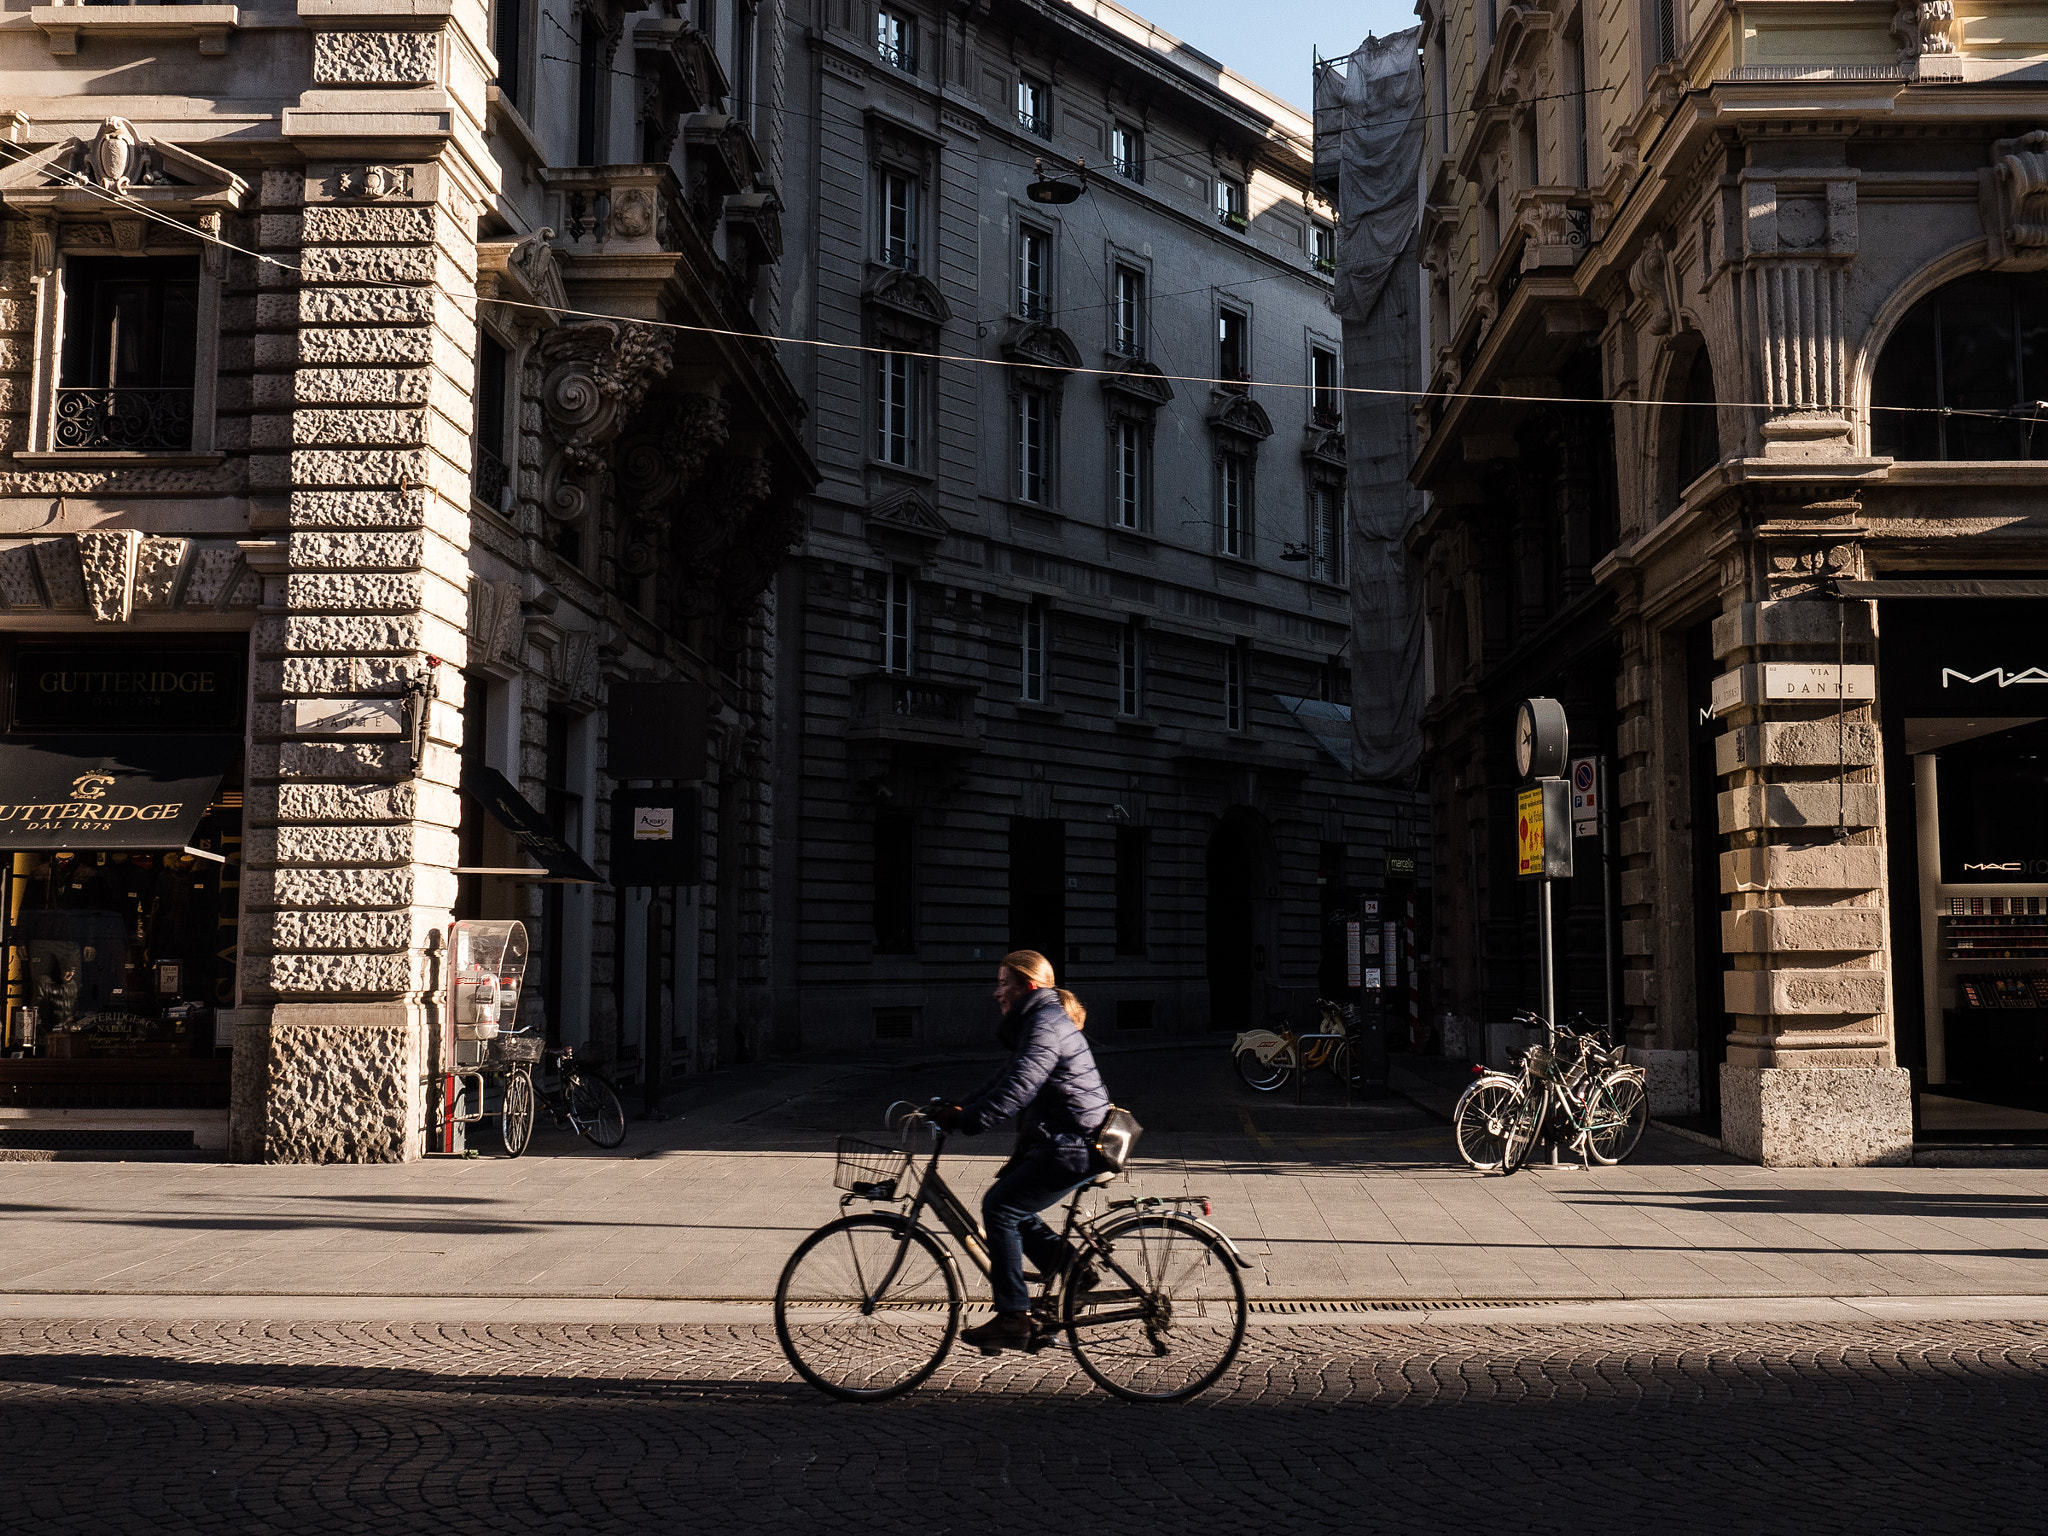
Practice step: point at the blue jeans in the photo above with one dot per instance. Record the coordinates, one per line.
(1029, 1182)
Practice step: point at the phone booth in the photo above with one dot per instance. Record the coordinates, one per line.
(480, 1009)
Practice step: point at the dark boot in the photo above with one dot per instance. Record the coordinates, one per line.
(1006, 1330)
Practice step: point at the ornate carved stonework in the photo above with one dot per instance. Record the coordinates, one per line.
(369, 183)
(1241, 416)
(903, 306)
(1653, 283)
(1324, 447)
(2014, 198)
(590, 378)
(1922, 28)
(1137, 388)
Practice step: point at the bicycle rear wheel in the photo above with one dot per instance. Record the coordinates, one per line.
(515, 1118)
(1616, 1117)
(1265, 1075)
(849, 1334)
(1166, 1314)
(1524, 1128)
(1481, 1121)
(596, 1110)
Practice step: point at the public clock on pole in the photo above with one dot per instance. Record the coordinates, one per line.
(1542, 741)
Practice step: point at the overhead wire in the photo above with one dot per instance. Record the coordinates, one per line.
(122, 200)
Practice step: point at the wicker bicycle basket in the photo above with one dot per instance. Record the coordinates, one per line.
(864, 1166)
(506, 1050)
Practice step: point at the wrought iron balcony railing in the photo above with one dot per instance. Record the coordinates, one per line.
(489, 478)
(123, 418)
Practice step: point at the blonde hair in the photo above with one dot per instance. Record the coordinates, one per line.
(1029, 965)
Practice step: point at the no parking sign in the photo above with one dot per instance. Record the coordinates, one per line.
(1586, 809)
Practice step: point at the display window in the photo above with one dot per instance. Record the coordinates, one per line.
(124, 954)
(121, 775)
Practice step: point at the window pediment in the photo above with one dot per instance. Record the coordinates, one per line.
(1323, 447)
(905, 526)
(905, 304)
(119, 160)
(1139, 384)
(1243, 417)
(1047, 353)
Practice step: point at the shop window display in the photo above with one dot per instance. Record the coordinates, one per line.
(121, 953)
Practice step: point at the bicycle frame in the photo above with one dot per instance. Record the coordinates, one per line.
(935, 1195)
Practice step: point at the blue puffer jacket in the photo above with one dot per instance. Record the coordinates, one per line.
(1049, 1082)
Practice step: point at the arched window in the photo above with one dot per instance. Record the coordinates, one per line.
(1964, 373)
(1698, 447)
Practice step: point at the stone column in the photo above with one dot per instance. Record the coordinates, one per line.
(353, 810)
(1811, 1077)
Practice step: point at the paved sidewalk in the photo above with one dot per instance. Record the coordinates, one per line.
(1328, 1202)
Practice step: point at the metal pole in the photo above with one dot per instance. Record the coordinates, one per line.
(1546, 973)
(1607, 903)
(650, 1012)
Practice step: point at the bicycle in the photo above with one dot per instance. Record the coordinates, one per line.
(1267, 1059)
(1604, 1103)
(585, 1102)
(869, 1305)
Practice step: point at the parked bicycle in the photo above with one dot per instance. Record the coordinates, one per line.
(583, 1101)
(1573, 1089)
(1267, 1059)
(869, 1305)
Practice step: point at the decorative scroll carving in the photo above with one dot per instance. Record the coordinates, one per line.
(1922, 28)
(590, 378)
(534, 260)
(1653, 283)
(2015, 201)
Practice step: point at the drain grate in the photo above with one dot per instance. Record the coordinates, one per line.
(1453, 1304)
(53, 1140)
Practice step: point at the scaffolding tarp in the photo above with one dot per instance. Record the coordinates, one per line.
(1369, 114)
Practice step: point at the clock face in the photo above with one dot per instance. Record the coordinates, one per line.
(1525, 739)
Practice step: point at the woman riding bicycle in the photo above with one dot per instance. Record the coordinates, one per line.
(1051, 1085)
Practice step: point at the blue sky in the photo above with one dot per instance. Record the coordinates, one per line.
(1268, 41)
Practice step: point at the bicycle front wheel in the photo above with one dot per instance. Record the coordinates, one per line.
(1616, 1117)
(853, 1328)
(1524, 1128)
(1482, 1118)
(1165, 1315)
(1265, 1075)
(515, 1119)
(596, 1110)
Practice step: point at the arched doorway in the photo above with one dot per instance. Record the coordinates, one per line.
(1243, 946)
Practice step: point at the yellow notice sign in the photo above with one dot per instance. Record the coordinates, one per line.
(1529, 831)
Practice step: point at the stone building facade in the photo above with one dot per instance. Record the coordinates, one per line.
(1064, 653)
(352, 455)
(1753, 285)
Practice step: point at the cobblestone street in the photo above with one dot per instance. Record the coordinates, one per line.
(315, 1427)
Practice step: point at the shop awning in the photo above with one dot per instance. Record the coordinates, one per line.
(557, 860)
(104, 792)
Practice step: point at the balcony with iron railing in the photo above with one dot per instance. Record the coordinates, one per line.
(915, 711)
(138, 420)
